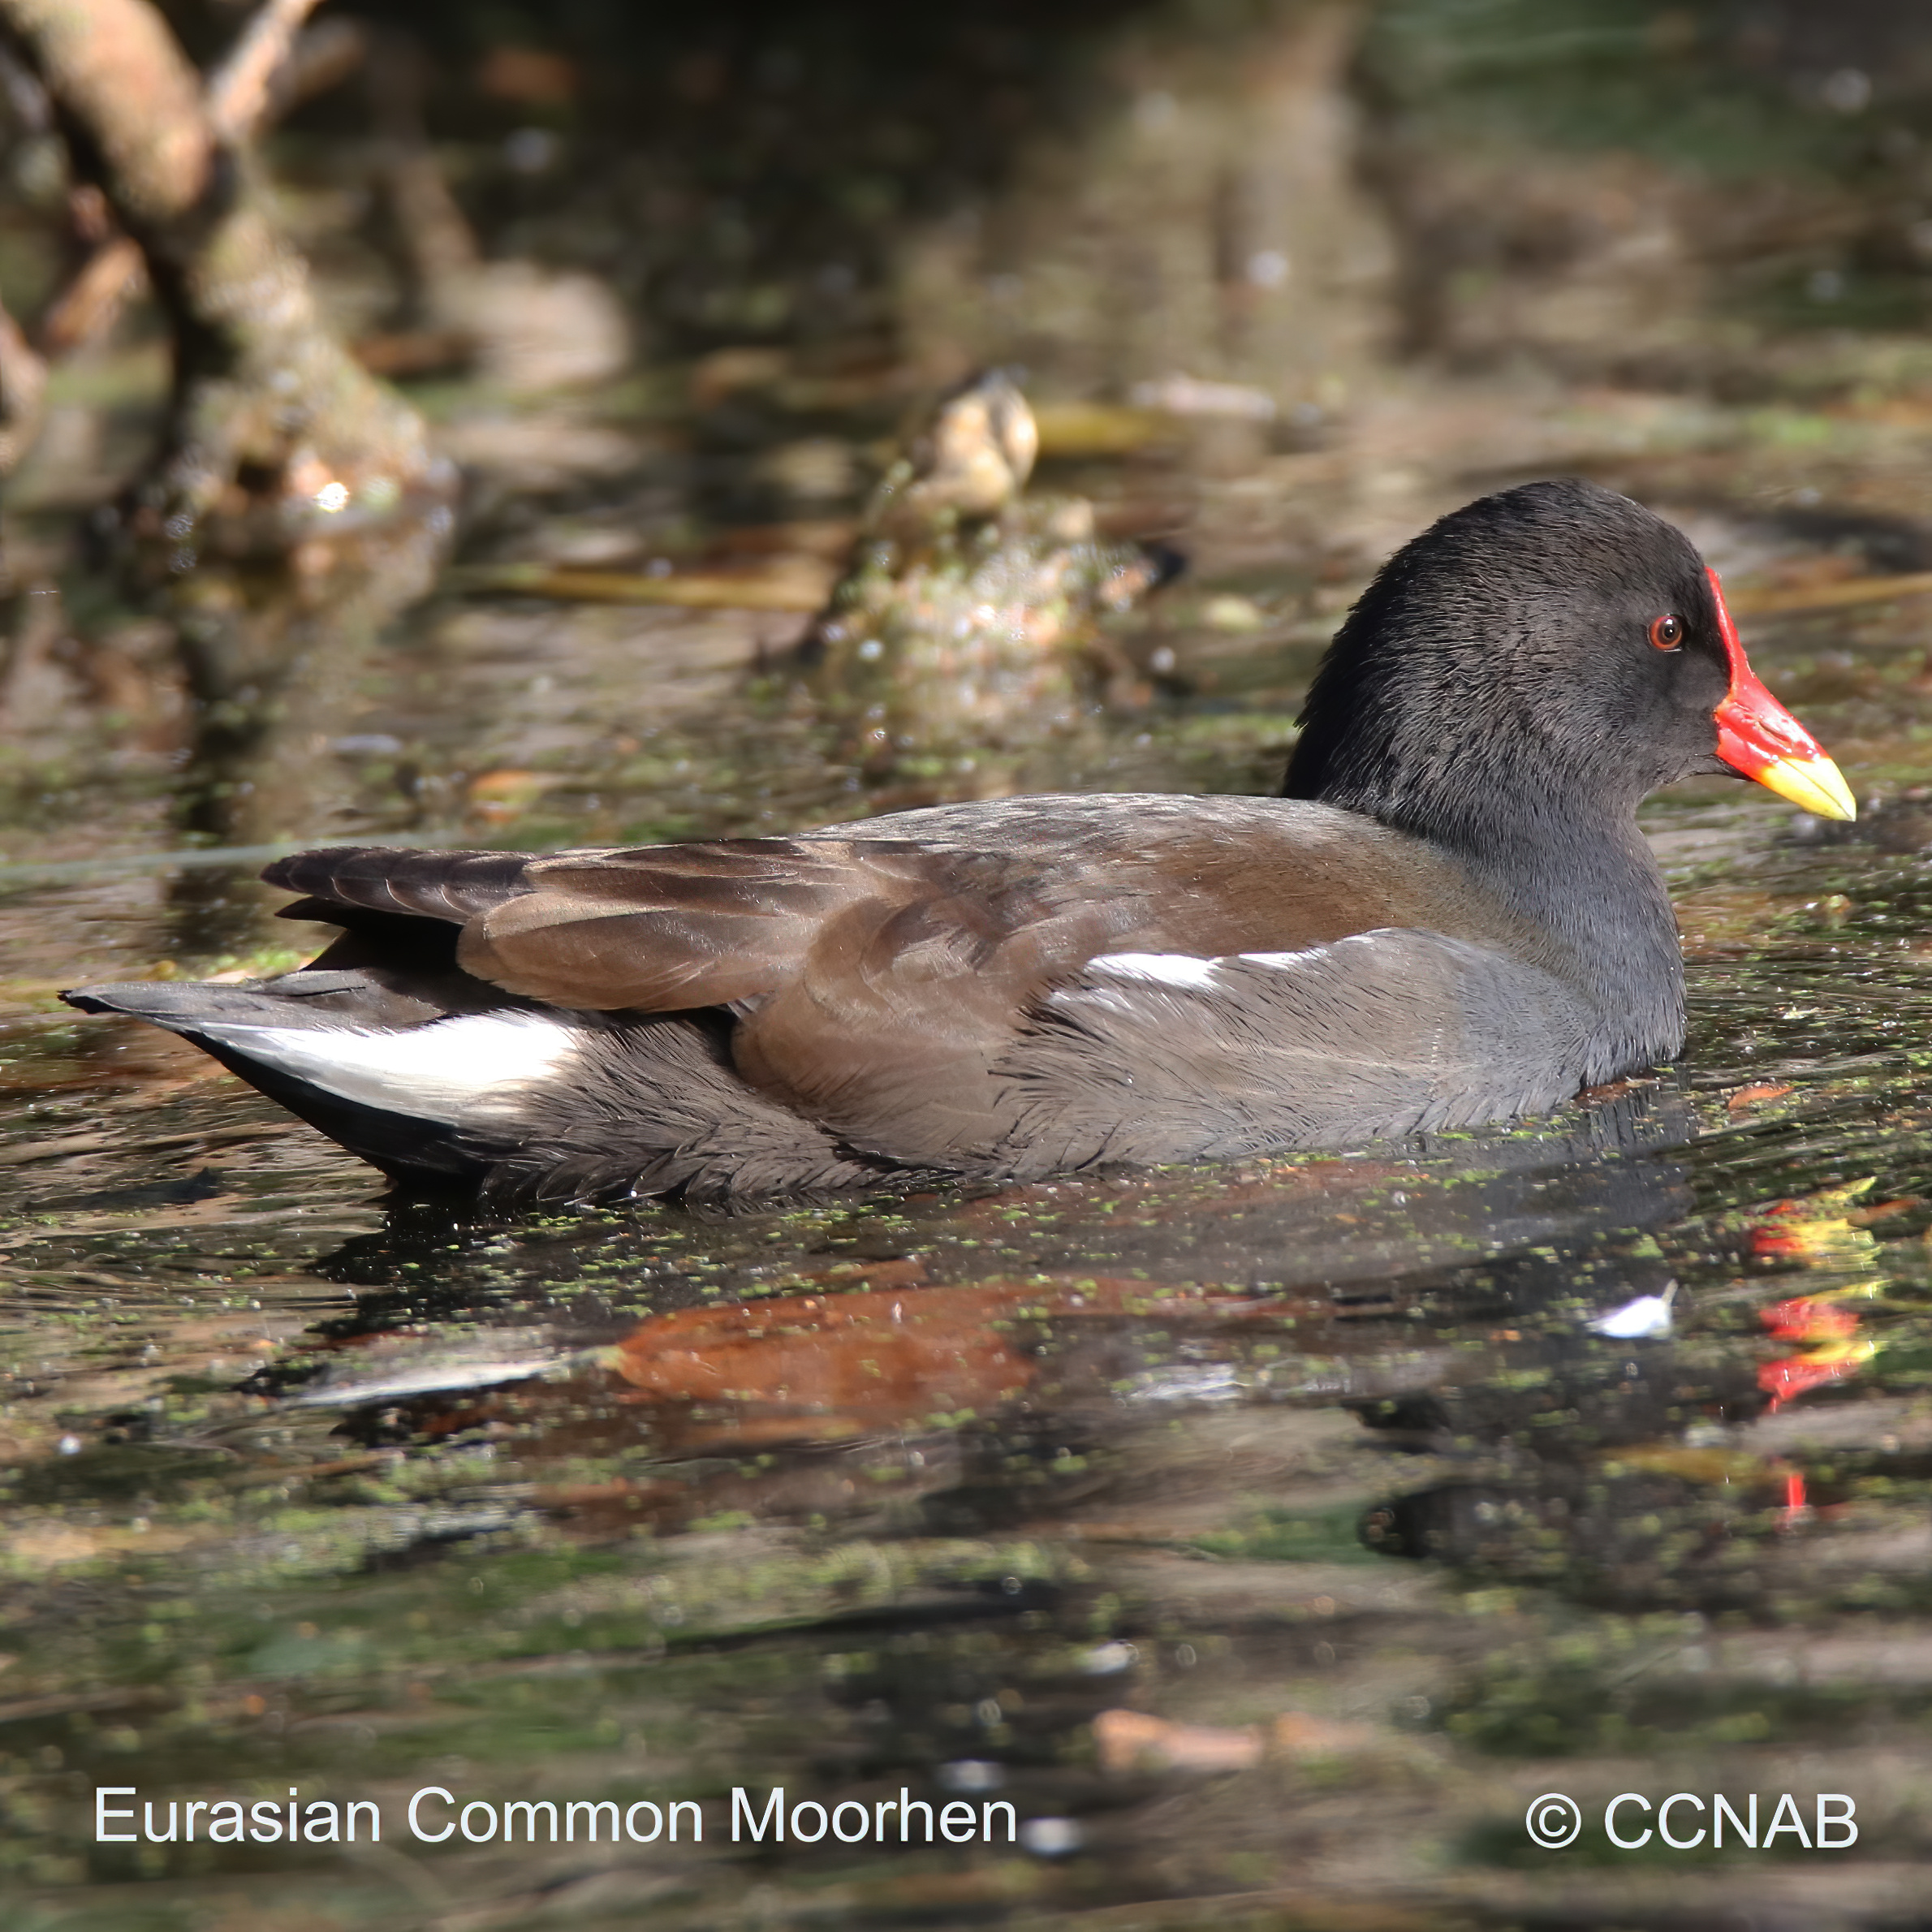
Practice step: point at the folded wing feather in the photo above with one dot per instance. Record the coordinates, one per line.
(881, 986)
(1380, 1033)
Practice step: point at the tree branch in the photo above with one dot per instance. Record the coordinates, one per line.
(23, 386)
(264, 394)
(85, 309)
(115, 73)
(240, 89)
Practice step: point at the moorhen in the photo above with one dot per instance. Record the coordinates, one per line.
(1449, 918)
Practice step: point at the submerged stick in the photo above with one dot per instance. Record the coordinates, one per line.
(1832, 596)
(786, 592)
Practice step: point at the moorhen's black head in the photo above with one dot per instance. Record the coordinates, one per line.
(1552, 652)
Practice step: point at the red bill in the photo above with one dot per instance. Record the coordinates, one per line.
(1758, 736)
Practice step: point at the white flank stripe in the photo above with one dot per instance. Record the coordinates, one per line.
(1281, 959)
(1164, 968)
(1072, 999)
(447, 1070)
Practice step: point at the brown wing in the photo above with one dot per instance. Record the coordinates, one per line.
(725, 922)
(898, 1030)
(667, 928)
(879, 981)
(893, 1029)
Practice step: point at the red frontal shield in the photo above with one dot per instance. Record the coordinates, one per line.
(1758, 736)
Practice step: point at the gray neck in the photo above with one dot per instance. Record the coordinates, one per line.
(1603, 904)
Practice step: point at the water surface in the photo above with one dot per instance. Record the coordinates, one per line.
(1267, 1535)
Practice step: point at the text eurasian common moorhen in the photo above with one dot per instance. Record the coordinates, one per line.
(1450, 917)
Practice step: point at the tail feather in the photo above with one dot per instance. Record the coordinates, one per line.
(392, 1074)
(455, 886)
(517, 1101)
(227, 1023)
(310, 998)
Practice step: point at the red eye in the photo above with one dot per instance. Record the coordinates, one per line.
(1666, 633)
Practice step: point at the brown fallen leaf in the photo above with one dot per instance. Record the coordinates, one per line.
(1750, 1097)
(1132, 1741)
(1301, 1734)
(618, 1489)
(1884, 1209)
(876, 1357)
(879, 1356)
(414, 351)
(504, 795)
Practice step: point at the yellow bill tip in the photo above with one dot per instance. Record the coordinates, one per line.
(1813, 784)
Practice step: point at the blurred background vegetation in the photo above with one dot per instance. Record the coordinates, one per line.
(1282, 192)
(667, 291)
